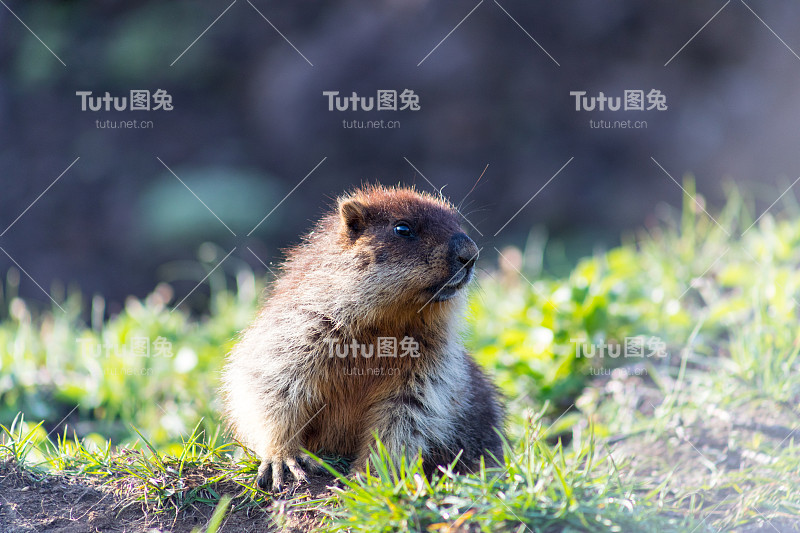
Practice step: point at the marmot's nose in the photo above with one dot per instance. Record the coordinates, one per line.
(463, 251)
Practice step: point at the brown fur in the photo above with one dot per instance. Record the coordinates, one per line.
(355, 278)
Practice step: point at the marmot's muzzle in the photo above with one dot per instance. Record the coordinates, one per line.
(462, 252)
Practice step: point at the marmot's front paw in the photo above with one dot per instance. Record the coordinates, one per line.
(271, 472)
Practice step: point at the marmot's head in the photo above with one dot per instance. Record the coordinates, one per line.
(408, 246)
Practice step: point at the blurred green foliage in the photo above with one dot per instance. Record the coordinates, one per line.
(172, 215)
(683, 280)
(149, 366)
(688, 278)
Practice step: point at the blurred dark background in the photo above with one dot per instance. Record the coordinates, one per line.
(250, 122)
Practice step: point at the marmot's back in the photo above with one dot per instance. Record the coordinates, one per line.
(360, 335)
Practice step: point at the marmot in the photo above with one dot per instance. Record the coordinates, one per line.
(386, 269)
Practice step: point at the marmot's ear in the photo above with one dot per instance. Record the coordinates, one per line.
(354, 216)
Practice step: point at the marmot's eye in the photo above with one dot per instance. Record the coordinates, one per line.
(403, 229)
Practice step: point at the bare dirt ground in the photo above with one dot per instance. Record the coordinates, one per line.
(709, 449)
(81, 504)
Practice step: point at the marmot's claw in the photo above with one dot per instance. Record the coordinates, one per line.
(271, 473)
(264, 475)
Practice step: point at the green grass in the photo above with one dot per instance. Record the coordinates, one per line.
(544, 487)
(705, 438)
